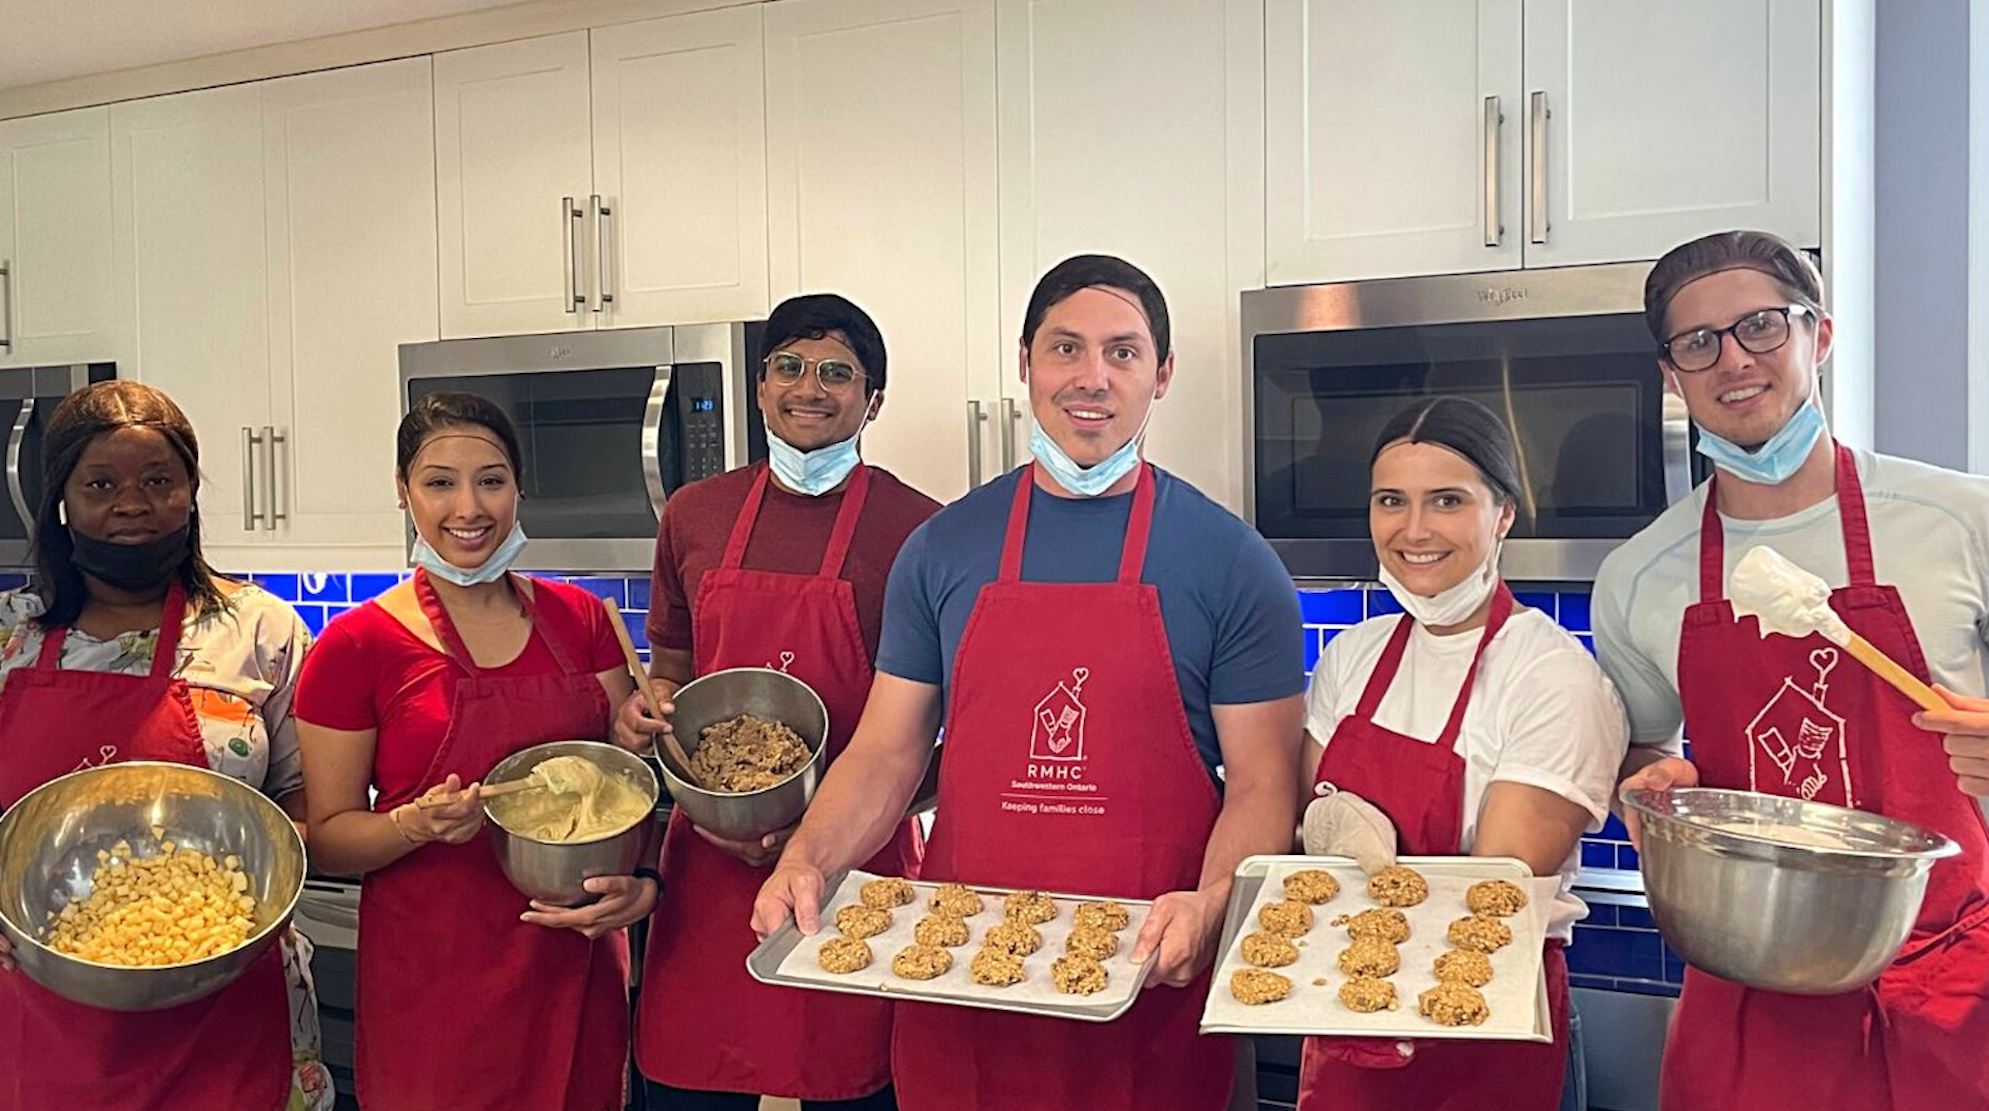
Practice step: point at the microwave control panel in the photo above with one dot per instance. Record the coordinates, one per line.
(698, 390)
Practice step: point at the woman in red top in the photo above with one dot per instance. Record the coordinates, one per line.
(468, 997)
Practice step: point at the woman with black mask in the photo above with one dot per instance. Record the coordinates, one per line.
(128, 647)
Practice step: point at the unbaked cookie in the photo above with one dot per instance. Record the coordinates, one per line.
(843, 954)
(1454, 1005)
(1252, 986)
(1011, 936)
(1268, 950)
(939, 928)
(1032, 907)
(887, 893)
(1384, 923)
(1090, 941)
(1367, 995)
(921, 962)
(1370, 956)
(996, 968)
(1495, 897)
(1398, 887)
(1464, 966)
(1286, 919)
(1313, 885)
(1486, 935)
(1104, 916)
(1074, 975)
(857, 920)
(956, 899)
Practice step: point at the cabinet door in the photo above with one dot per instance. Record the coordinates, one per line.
(511, 142)
(881, 159)
(188, 255)
(680, 161)
(351, 246)
(1391, 138)
(1665, 122)
(55, 239)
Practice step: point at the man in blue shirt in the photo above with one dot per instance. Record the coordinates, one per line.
(1117, 664)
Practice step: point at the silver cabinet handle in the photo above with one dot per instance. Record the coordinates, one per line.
(251, 508)
(278, 509)
(1009, 415)
(652, 439)
(6, 305)
(16, 492)
(603, 266)
(570, 215)
(1494, 224)
(1538, 172)
(975, 419)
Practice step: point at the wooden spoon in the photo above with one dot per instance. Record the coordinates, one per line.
(642, 686)
(436, 802)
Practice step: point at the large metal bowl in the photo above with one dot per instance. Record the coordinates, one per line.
(48, 846)
(722, 696)
(1744, 899)
(555, 871)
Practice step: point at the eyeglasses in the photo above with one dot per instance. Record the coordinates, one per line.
(787, 368)
(1757, 332)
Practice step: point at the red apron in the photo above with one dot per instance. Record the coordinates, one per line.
(1420, 786)
(1034, 793)
(462, 1007)
(1782, 716)
(231, 1049)
(704, 1023)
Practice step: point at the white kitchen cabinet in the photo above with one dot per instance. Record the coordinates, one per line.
(881, 169)
(55, 239)
(512, 158)
(680, 165)
(1392, 137)
(1669, 121)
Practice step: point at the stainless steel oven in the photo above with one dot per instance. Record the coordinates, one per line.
(28, 395)
(1562, 354)
(612, 422)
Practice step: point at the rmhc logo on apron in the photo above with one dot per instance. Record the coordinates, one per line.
(1055, 779)
(1793, 731)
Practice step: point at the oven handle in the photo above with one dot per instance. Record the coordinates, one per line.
(16, 491)
(652, 440)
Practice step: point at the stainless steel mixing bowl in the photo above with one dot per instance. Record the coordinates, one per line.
(555, 871)
(1778, 893)
(722, 696)
(48, 846)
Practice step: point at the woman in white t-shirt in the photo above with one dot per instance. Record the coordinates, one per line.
(1476, 725)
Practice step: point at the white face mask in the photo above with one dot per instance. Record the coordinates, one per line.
(1453, 604)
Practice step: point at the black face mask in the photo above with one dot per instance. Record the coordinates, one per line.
(132, 566)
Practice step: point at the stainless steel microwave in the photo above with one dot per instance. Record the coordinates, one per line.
(612, 422)
(1562, 354)
(28, 395)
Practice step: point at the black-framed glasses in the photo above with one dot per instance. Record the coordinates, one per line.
(788, 368)
(1758, 333)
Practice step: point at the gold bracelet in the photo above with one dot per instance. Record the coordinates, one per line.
(394, 816)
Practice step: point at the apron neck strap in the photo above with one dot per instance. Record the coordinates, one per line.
(1857, 531)
(840, 536)
(452, 640)
(1132, 555)
(165, 653)
(1398, 642)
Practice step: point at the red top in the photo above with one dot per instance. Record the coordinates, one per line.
(790, 536)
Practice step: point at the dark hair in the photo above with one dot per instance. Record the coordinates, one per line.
(82, 417)
(1087, 272)
(1465, 427)
(1793, 271)
(437, 411)
(817, 316)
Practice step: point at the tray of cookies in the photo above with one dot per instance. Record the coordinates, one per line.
(1067, 956)
(1435, 947)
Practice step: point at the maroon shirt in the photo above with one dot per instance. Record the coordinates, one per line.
(790, 536)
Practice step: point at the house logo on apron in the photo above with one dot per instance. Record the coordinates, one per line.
(1802, 740)
(106, 755)
(1058, 730)
(786, 661)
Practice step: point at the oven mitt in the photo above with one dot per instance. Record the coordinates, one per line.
(1341, 823)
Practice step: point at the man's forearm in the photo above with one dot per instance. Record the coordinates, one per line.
(860, 803)
(1254, 820)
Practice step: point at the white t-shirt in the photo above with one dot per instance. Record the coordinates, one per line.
(1930, 539)
(1542, 713)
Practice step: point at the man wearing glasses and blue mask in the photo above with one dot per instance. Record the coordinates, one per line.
(1117, 665)
(1741, 335)
(782, 565)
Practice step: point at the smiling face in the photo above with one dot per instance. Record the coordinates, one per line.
(462, 493)
(129, 487)
(806, 414)
(1745, 397)
(1433, 518)
(1093, 372)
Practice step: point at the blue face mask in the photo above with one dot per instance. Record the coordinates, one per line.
(490, 570)
(1776, 460)
(1085, 482)
(813, 473)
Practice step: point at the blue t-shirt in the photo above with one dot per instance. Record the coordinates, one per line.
(1228, 603)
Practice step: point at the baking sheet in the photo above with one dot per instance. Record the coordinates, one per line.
(1517, 993)
(789, 958)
